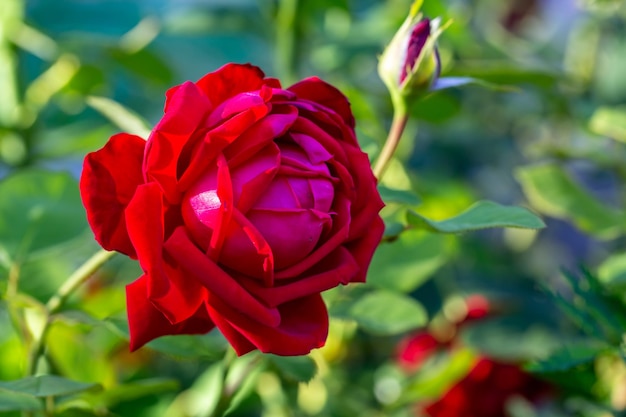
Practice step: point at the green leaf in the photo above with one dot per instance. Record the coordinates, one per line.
(133, 390)
(122, 117)
(553, 192)
(203, 396)
(444, 83)
(295, 368)
(609, 122)
(388, 313)
(390, 195)
(46, 386)
(39, 209)
(612, 272)
(210, 346)
(15, 401)
(569, 357)
(436, 377)
(407, 262)
(481, 215)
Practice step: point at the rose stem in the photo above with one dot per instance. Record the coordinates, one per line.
(82, 274)
(398, 124)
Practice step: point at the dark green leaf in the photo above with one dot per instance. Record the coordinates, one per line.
(133, 390)
(210, 345)
(39, 209)
(482, 215)
(569, 357)
(551, 191)
(295, 368)
(46, 386)
(388, 313)
(144, 63)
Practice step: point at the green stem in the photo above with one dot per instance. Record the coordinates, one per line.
(82, 274)
(398, 124)
(286, 40)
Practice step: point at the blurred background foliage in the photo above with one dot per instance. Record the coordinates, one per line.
(549, 134)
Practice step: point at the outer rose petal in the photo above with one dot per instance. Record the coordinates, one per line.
(186, 112)
(303, 327)
(230, 80)
(107, 184)
(177, 297)
(145, 322)
(325, 94)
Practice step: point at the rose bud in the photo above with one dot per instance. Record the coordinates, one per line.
(245, 203)
(410, 63)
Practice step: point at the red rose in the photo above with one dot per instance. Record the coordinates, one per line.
(246, 201)
(486, 390)
(487, 387)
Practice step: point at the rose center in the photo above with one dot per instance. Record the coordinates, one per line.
(281, 199)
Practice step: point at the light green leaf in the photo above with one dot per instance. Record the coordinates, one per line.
(612, 272)
(122, 117)
(407, 262)
(482, 215)
(436, 377)
(553, 192)
(203, 396)
(388, 313)
(295, 368)
(609, 122)
(15, 401)
(46, 386)
(39, 209)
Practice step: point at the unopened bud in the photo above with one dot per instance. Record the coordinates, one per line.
(410, 63)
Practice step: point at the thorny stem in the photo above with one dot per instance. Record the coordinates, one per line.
(82, 274)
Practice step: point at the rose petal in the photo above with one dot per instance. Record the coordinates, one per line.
(303, 326)
(252, 179)
(186, 113)
(291, 234)
(232, 79)
(363, 249)
(331, 144)
(325, 94)
(107, 184)
(337, 268)
(218, 282)
(367, 201)
(216, 140)
(258, 136)
(177, 297)
(338, 235)
(145, 322)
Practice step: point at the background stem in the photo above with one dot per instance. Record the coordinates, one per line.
(287, 40)
(82, 274)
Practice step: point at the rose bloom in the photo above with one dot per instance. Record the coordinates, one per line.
(245, 203)
(489, 384)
